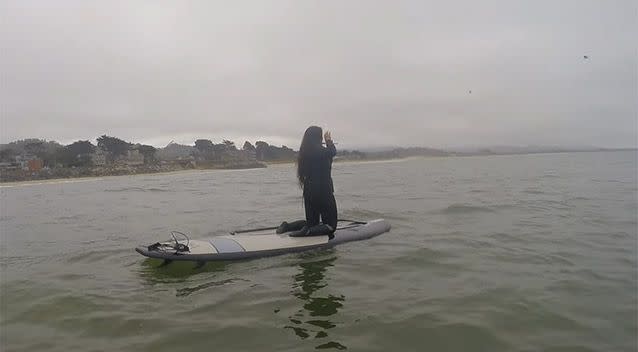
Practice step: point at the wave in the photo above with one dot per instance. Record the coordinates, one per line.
(186, 291)
(465, 209)
(363, 214)
(137, 189)
(94, 256)
(533, 191)
(477, 191)
(49, 182)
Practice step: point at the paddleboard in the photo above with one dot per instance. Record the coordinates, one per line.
(257, 243)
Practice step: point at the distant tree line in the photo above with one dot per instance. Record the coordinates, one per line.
(82, 153)
(262, 151)
(266, 152)
(116, 148)
(110, 150)
(76, 154)
(398, 153)
(207, 150)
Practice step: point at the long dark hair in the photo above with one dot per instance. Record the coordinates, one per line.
(311, 140)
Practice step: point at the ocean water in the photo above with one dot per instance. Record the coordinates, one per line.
(495, 253)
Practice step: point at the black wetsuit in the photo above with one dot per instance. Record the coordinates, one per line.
(318, 191)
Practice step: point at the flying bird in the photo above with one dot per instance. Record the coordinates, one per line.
(585, 57)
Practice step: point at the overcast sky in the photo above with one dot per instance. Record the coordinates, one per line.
(376, 73)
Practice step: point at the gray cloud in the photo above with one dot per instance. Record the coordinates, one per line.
(374, 72)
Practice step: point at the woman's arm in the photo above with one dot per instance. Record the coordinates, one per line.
(330, 146)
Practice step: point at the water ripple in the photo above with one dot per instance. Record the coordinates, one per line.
(511, 253)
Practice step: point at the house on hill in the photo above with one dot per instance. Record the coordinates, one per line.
(133, 158)
(98, 157)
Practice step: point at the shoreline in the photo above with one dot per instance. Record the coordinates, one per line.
(56, 180)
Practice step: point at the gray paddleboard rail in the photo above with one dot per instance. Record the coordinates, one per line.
(352, 232)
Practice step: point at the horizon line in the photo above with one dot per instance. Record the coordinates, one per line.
(388, 147)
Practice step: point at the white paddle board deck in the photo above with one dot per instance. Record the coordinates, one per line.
(259, 243)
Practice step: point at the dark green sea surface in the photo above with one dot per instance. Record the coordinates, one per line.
(496, 253)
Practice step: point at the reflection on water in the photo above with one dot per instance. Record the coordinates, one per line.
(313, 319)
(154, 271)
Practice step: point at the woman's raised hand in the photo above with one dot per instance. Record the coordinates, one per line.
(327, 136)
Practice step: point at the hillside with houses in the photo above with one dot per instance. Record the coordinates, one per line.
(33, 159)
(36, 159)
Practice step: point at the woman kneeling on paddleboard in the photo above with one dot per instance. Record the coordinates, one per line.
(314, 164)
